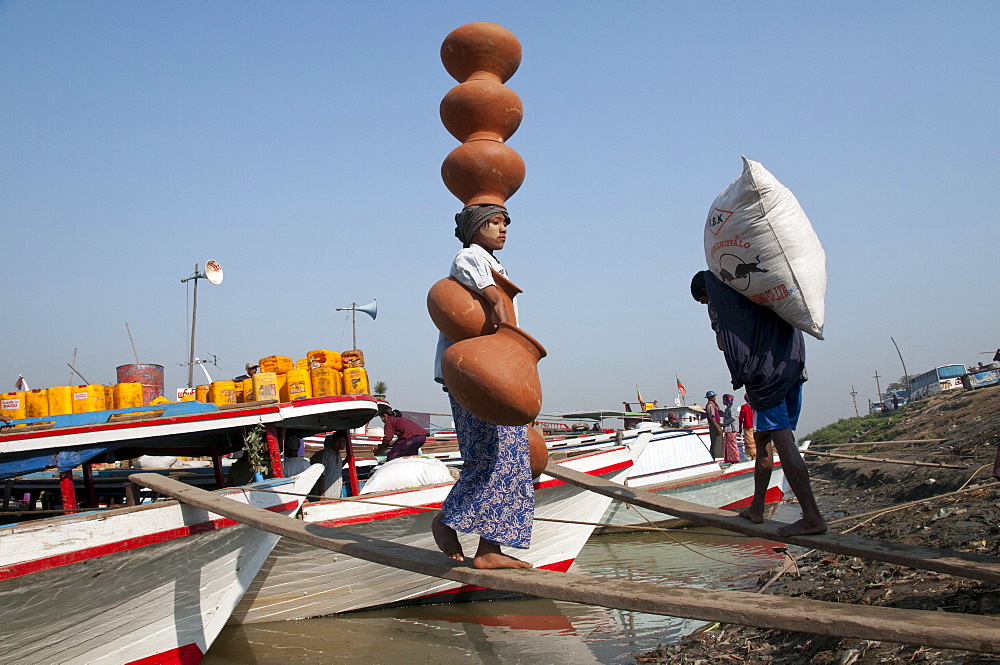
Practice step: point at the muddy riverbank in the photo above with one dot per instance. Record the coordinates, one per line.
(968, 426)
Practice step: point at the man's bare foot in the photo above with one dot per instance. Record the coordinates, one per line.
(753, 513)
(803, 527)
(489, 557)
(446, 539)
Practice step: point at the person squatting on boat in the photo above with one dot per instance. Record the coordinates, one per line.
(331, 483)
(768, 356)
(494, 496)
(411, 436)
(295, 461)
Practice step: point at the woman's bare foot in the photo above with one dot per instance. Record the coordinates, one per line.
(753, 513)
(489, 557)
(803, 527)
(446, 539)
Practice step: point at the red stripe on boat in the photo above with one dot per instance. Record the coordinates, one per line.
(67, 558)
(773, 495)
(603, 471)
(559, 567)
(189, 654)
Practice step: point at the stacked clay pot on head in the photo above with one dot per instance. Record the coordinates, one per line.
(482, 113)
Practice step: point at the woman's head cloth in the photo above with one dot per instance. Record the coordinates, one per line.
(472, 217)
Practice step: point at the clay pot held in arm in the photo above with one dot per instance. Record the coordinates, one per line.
(460, 313)
(539, 452)
(495, 377)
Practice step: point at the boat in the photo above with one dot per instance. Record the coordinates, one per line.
(300, 581)
(676, 461)
(144, 584)
(190, 428)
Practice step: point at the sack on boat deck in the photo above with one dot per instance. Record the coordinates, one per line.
(759, 241)
(406, 472)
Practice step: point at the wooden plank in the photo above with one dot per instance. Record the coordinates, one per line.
(935, 629)
(962, 564)
(873, 443)
(861, 458)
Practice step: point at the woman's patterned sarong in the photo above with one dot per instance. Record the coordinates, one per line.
(494, 496)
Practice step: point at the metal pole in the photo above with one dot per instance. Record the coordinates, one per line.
(905, 375)
(354, 324)
(877, 386)
(854, 397)
(194, 318)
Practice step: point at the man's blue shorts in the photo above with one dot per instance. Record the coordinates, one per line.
(783, 416)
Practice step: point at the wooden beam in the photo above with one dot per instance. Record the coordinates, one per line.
(963, 564)
(936, 465)
(872, 443)
(935, 629)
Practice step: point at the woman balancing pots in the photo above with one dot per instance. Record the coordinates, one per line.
(488, 364)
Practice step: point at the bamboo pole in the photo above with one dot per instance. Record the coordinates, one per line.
(873, 443)
(936, 629)
(962, 564)
(861, 458)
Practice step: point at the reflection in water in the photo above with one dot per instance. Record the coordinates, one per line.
(516, 632)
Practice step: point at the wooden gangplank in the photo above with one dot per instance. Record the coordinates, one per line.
(962, 564)
(934, 629)
(882, 460)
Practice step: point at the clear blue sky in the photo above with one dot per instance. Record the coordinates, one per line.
(299, 144)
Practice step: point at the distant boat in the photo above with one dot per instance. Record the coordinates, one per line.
(144, 584)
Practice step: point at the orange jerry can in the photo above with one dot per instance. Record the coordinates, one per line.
(36, 403)
(297, 385)
(352, 358)
(326, 382)
(324, 358)
(12, 405)
(276, 364)
(356, 381)
(60, 400)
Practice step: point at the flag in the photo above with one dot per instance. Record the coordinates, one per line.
(642, 405)
(680, 386)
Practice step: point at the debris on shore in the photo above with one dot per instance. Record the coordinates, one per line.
(954, 509)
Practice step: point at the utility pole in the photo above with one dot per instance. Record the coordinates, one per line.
(877, 386)
(854, 398)
(906, 376)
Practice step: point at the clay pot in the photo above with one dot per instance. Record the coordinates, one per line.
(481, 110)
(483, 172)
(460, 313)
(539, 452)
(495, 377)
(481, 50)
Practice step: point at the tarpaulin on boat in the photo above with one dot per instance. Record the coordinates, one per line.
(63, 461)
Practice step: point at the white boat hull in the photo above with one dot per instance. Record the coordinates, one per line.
(300, 581)
(142, 585)
(679, 464)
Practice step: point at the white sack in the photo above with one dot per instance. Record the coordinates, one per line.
(759, 241)
(404, 472)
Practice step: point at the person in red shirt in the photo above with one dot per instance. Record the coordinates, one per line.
(746, 426)
(410, 435)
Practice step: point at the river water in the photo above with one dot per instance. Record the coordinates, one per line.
(523, 632)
